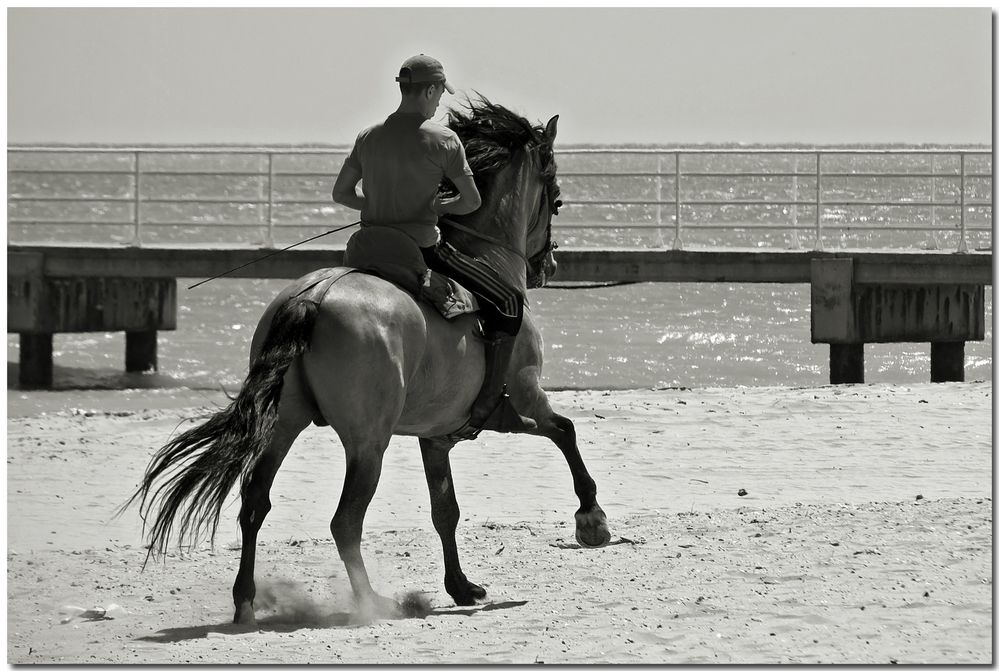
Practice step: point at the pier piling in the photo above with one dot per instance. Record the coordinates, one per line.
(947, 361)
(140, 351)
(846, 363)
(36, 361)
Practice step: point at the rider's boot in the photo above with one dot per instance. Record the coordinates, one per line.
(492, 409)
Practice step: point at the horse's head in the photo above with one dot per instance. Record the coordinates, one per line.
(541, 264)
(514, 166)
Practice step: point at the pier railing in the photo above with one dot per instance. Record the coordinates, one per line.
(799, 191)
(792, 198)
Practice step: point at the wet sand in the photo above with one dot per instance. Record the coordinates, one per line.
(864, 536)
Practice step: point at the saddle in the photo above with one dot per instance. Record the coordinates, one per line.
(395, 257)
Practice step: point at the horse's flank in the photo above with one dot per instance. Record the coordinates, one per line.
(435, 363)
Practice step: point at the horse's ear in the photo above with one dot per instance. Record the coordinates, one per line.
(551, 128)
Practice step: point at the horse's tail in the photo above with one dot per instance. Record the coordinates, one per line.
(203, 463)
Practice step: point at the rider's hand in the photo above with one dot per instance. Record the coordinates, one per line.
(436, 206)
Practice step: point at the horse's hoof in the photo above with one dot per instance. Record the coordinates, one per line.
(592, 541)
(467, 595)
(472, 594)
(244, 616)
(591, 529)
(477, 592)
(388, 608)
(378, 607)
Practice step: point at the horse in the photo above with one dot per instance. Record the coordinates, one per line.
(361, 355)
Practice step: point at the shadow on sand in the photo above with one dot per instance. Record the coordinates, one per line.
(289, 623)
(478, 609)
(276, 623)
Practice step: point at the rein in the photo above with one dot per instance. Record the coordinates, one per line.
(483, 236)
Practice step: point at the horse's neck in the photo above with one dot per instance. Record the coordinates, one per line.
(509, 264)
(511, 267)
(501, 217)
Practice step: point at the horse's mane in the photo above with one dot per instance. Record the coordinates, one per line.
(491, 135)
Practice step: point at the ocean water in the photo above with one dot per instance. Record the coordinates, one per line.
(630, 336)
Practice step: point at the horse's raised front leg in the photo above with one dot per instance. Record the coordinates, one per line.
(364, 467)
(295, 412)
(445, 513)
(591, 522)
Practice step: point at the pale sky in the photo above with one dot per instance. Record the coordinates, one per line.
(645, 75)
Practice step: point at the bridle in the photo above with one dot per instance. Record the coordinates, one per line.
(536, 263)
(550, 203)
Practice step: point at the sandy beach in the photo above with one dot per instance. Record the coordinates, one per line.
(864, 535)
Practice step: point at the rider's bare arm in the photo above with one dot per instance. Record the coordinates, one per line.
(468, 199)
(345, 188)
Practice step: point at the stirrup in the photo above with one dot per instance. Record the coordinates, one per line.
(470, 431)
(464, 432)
(503, 418)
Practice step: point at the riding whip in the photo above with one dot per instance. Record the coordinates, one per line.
(267, 256)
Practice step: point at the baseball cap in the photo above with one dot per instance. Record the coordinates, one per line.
(423, 68)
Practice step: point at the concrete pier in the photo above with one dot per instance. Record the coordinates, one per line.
(857, 296)
(41, 303)
(918, 307)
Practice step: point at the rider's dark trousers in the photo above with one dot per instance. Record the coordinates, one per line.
(501, 306)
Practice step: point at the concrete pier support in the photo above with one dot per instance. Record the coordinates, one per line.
(846, 363)
(850, 308)
(947, 362)
(38, 306)
(140, 351)
(35, 361)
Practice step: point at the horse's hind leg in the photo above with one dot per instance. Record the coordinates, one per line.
(364, 467)
(591, 522)
(295, 411)
(444, 511)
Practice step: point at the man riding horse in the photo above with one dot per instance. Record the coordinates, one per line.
(402, 162)
(349, 348)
